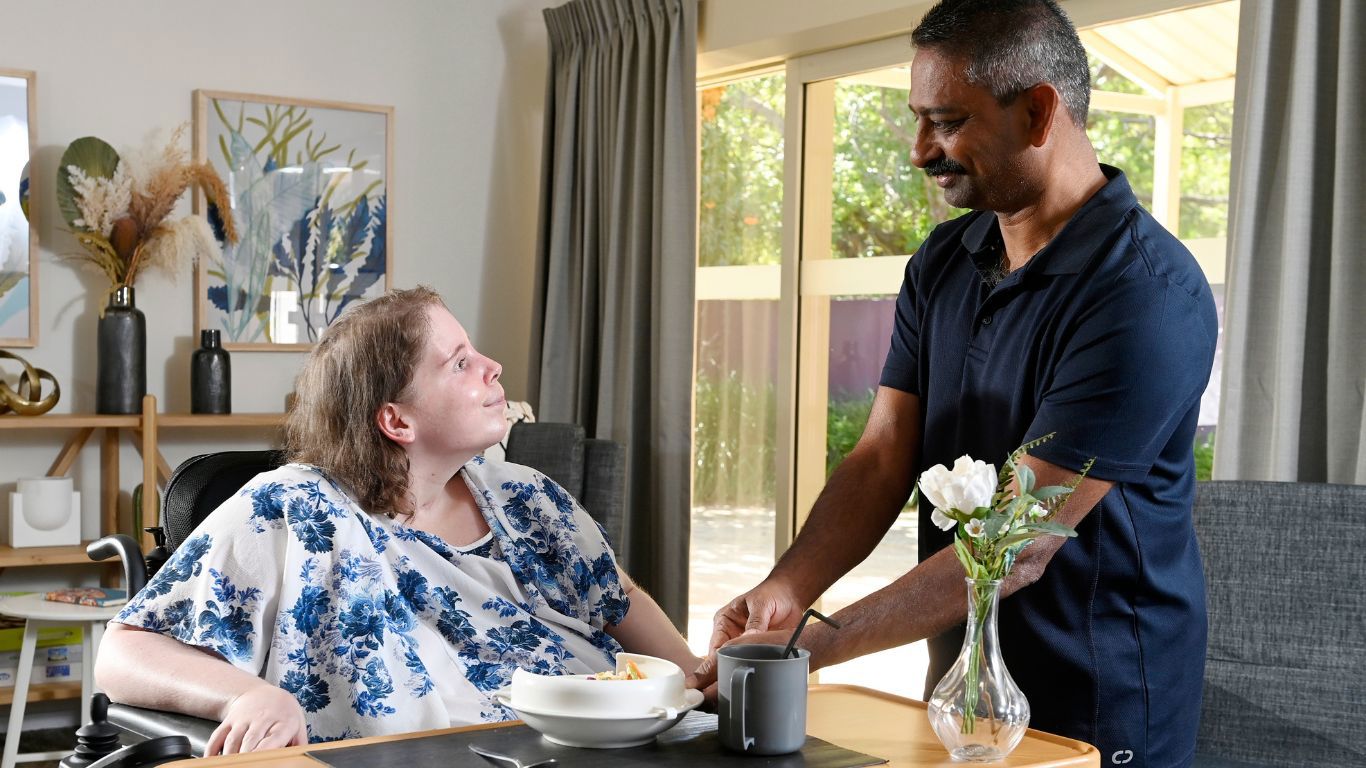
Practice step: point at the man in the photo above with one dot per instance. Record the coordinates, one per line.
(1058, 305)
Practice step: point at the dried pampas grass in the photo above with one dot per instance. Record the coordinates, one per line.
(169, 244)
(159, 174)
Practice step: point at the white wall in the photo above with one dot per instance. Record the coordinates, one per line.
(466, 79)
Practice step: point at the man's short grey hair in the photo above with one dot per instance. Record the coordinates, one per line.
(1010, 46)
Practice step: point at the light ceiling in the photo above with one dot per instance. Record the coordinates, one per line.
(1195, 45)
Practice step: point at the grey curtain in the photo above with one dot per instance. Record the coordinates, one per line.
(613, 331)
(1295, 327)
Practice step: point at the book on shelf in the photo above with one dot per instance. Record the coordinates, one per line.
(93, 596)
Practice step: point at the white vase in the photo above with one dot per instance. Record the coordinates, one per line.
(47, 502)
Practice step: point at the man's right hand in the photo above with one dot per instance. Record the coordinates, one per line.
(263, 717)
(771, 605)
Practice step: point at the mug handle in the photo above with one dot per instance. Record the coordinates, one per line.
(739, 683)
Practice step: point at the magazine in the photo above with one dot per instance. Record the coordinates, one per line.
(98, 597)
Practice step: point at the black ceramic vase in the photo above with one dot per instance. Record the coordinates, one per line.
(121, 356)
(210, 376)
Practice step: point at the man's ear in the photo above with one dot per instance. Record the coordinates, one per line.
(394, 425)
(1043, 105)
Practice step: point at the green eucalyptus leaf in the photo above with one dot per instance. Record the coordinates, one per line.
(1050, 491)
(1013, 543)
(995, 523)
(92, 155)
(1026, 476)
(1052, 529)
(961, 550)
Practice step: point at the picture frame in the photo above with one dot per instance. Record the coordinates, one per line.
(18, 230)
(310, 182)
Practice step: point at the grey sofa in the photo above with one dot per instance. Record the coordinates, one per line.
(1285, 670)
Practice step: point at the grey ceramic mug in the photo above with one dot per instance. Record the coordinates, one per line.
(762, 699)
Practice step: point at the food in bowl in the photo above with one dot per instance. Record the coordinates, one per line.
(632, 672)
(640, 685)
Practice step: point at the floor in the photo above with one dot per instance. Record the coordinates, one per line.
(45, 740)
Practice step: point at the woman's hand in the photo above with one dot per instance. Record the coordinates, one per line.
(264, 717)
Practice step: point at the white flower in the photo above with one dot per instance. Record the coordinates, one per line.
(942, 520)
(1037, 512)
(975, 528)
(969, 485)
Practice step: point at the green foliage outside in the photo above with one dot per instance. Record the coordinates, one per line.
(1126, 141)
(729, 472)
(733, 438)
(740, 211)
(845, 420)
(1105, 78)
(1206, 160)
(882, 205)
(1204, 457)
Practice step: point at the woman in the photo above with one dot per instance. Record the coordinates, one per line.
(388, 579)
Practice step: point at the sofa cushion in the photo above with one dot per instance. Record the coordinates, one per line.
(1284, 679)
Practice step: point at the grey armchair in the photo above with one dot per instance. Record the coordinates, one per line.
(592, 470)
(1284, 676)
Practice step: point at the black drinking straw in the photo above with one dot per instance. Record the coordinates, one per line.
(796, 633)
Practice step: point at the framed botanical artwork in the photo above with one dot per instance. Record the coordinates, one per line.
(18, 236)
(310, 183)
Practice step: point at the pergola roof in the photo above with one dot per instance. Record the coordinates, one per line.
(1195, 45)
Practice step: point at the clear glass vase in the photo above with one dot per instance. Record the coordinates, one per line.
(977, 710)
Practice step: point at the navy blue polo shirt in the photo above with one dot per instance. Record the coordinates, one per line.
(1106, 338)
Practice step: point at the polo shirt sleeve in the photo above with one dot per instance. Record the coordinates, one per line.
(902, 367)
(1131, 368)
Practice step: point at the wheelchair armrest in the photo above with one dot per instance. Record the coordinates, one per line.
(151, 723)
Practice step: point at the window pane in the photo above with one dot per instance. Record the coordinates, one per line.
(741, 188)
(882, 205)
(860, 333)
(1126, 141)
(1107, 78)
(1206, 155)
(733, 469)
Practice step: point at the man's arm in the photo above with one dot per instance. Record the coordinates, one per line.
(928, 599)
(857, 506)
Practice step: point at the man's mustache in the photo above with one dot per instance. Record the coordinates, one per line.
(943, 167)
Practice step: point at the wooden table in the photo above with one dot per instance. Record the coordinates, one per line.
(864, 720)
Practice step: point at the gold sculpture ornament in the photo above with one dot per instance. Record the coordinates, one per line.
(27, 399)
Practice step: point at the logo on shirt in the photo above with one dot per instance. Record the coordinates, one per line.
(1122, 756)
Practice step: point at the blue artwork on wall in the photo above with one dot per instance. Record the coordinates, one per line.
(309, 183)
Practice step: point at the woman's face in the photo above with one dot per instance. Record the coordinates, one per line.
(456, 403)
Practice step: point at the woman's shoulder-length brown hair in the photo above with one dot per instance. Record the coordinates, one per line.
(365, 359)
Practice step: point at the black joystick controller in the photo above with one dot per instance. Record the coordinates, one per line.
(96, 738)
(159, 554)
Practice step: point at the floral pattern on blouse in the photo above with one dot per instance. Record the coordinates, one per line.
(379, 628)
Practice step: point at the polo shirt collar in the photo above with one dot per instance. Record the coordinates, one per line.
(1069, 252)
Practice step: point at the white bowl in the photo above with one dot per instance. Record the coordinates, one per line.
(662, 688)
(602, 732)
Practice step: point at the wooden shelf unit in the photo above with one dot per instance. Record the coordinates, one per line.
(44, 692)
(21, 556)
(145, 429)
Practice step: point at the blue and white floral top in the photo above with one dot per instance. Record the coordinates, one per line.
(379, 628)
